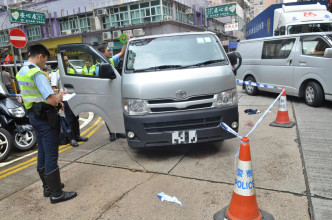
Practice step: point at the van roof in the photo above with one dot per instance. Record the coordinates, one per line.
(172, 34)
(287, 36)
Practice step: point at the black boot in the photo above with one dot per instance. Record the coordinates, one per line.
(112, 137)
(54, 182)
(72, 140)
(47, 190)
(80, 138)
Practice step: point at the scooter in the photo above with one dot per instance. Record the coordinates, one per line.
(15, 130)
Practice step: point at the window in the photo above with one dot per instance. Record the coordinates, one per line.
(4, 38)
(33, 32)
(133, 14)
(314, 46)
(277, 49)
(75, 24)
(305, 28)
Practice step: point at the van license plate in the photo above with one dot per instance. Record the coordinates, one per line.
(184, 137)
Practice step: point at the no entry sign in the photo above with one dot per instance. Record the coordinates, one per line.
(17, 38)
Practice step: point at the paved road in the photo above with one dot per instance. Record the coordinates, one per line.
(114, 181)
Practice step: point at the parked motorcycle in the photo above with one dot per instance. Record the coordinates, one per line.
(15, 130)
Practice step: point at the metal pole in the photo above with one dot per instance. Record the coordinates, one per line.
(14, 58)
(20, 52)
(205, 17)
(14, 66)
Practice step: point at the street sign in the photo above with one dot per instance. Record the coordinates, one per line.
(30, 17)
(17, 38)
(221, 10)
(231, 27)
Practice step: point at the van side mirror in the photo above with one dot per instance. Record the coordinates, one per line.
(233, 58)
(282, 30)
(106, 71)
(328, 53)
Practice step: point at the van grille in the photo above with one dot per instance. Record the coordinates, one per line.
(171, 105)
(190, 124)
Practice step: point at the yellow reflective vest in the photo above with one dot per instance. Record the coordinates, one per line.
(29, 91)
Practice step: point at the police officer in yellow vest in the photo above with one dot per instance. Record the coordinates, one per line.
(88, 69)
(115, 60)
(42, 105)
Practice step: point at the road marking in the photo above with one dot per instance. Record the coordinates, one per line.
(3, 164)
(86, 121)
(62, 148)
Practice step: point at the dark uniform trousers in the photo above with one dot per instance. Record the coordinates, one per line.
(72, 120)
(48, 143)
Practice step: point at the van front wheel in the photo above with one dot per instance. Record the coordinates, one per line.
(251, 90)
(314, 94)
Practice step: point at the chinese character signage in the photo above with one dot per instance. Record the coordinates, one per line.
(221, 10)
(231, 27)
(30, 17)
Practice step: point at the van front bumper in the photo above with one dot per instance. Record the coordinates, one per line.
(157, 129)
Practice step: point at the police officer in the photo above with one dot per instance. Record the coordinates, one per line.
(70, 116)
(115, 60)
(42, 105)
(88, 69)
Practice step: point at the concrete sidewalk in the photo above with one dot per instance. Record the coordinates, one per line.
(114, 181)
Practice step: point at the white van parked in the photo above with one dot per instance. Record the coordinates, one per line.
(302, 63)
(174, 89)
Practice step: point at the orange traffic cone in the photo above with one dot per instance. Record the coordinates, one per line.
(282, 119)
(243, 205)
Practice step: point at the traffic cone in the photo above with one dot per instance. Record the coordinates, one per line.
(282, 119)
(243, 205)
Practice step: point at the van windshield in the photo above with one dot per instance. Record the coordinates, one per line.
(174, 52)
(306, 28)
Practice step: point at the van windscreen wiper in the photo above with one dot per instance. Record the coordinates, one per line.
(155, 68)
(202, 63)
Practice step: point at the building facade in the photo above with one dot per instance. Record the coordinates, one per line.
(100, 21)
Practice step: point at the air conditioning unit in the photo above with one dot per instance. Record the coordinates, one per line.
(94, 23)
(116, 34)
(66, 32)
(138, 32)
(189, 11)
(101, 12)
(129, 32)
(191, 22)
(167, 17)
(107, 36)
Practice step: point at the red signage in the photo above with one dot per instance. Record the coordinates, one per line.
(17, 38)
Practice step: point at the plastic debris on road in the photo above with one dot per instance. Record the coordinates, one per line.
(162, 196)
(251, 111)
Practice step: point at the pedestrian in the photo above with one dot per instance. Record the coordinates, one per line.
(42, 106)
(7, 81)
(66, 128)
(88, 69)
(70, 117)
(115, 60)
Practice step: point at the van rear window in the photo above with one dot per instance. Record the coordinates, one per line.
(277, 49)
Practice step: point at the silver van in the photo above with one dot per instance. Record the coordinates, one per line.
(302, 63)
(174, 89)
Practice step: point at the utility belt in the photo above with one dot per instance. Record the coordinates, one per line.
(43, 111)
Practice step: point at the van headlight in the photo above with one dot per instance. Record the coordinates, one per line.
(135, 106)
(17, 112)
(226, 98)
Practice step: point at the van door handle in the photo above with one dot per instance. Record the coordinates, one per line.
(69, 86)
(290, 62)
(302, 62)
